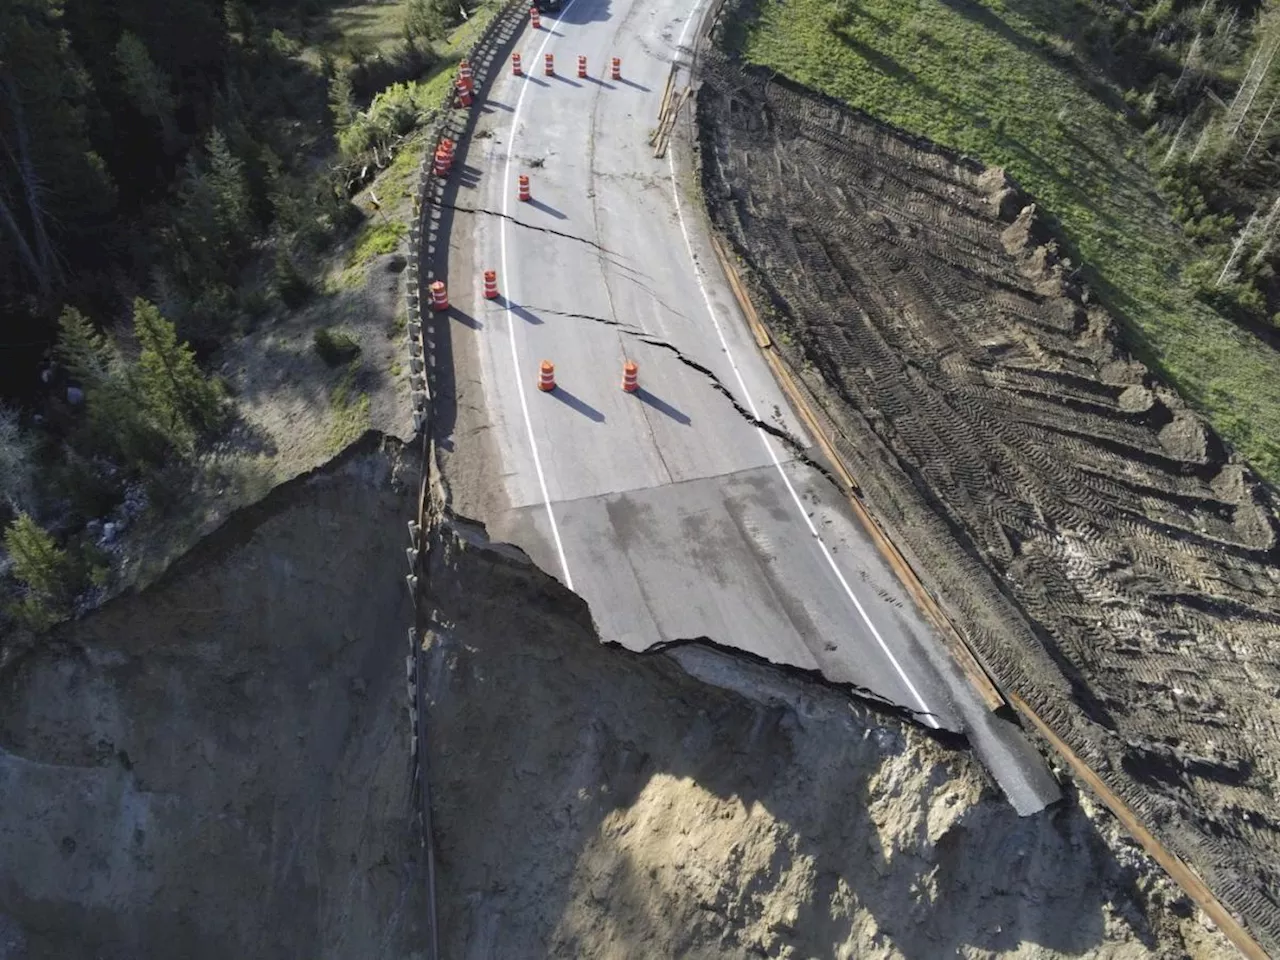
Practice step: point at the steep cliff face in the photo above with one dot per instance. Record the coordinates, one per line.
(219, 766)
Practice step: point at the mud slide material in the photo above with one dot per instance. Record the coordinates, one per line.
(1103, 553)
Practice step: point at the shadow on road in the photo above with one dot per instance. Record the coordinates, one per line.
(599, 82)
(563, 79)
(539, 205)
(584, 408)
(465, 319)
(632, 83)
(679, 416)
(500, 106)
(524, 314)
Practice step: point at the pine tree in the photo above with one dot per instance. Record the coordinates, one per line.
(342, 100)
(180, 399)
(38, 562)
(88, 356)
(230, 190)
(117, 419)
(147, 86)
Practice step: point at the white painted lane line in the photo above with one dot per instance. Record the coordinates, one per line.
(764, 437)
(509, 279)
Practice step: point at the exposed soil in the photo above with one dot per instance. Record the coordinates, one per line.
(219, 766)
(1110, 560)
(591, 802)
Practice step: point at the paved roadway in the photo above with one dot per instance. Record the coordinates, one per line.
(668, 511)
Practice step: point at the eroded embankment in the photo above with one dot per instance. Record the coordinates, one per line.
(219, 766)
(1110, 560)
(592, 802)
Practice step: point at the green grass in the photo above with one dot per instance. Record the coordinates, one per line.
(350, 412)
(982, 78)
(377, 237)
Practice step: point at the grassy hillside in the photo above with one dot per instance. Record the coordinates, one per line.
(988, 79)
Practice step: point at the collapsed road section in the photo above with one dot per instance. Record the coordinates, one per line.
(1108, 558)
(639, 447)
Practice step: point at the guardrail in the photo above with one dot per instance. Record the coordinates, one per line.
(427, 242)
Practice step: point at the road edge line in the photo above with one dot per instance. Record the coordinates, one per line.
(960, 650)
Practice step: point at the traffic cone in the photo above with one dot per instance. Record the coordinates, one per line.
(534, 20)
(464, 95)
(490, 285)
(439, 297)
(465, 77)
(582, 68)
(524, 193)
(547, 376)
(515, 65)
(549, 65)
(616, 72)
(630, 374)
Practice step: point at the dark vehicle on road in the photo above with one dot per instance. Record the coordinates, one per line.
(548, 5)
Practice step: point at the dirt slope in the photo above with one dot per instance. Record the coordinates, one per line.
(219, 767)
(1112, 561)
(594, 803)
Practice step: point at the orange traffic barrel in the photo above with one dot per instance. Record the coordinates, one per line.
(547, 376)
(616, 71)
(464, 75)
(582, 68)
(630, 377)
(464, 95)
(534, 20)
(549, 65)
(439, 297)
(515, 65)
(524, 193)
(490, 284)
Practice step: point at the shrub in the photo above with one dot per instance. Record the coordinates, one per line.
(394, 112)
(290, 284)
(335, 347)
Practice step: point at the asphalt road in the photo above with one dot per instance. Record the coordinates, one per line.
(669, 511)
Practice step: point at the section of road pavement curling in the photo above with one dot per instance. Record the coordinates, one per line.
(594, 802)
(694, 505)
(219, 766)
(1110, 560)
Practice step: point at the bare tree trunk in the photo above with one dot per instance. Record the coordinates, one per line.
(1235, 251)
(41, 247)
(1261, 127)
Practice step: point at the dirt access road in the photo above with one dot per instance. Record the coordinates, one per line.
(1110, 560)
(693, 507)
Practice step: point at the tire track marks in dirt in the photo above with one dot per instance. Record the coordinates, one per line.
(1111, 560)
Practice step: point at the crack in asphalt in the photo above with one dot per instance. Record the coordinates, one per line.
(796, 448)
(528, 226)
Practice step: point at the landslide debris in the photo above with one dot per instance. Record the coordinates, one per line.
(592, 802)
(219, 765)
(1112, 562)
